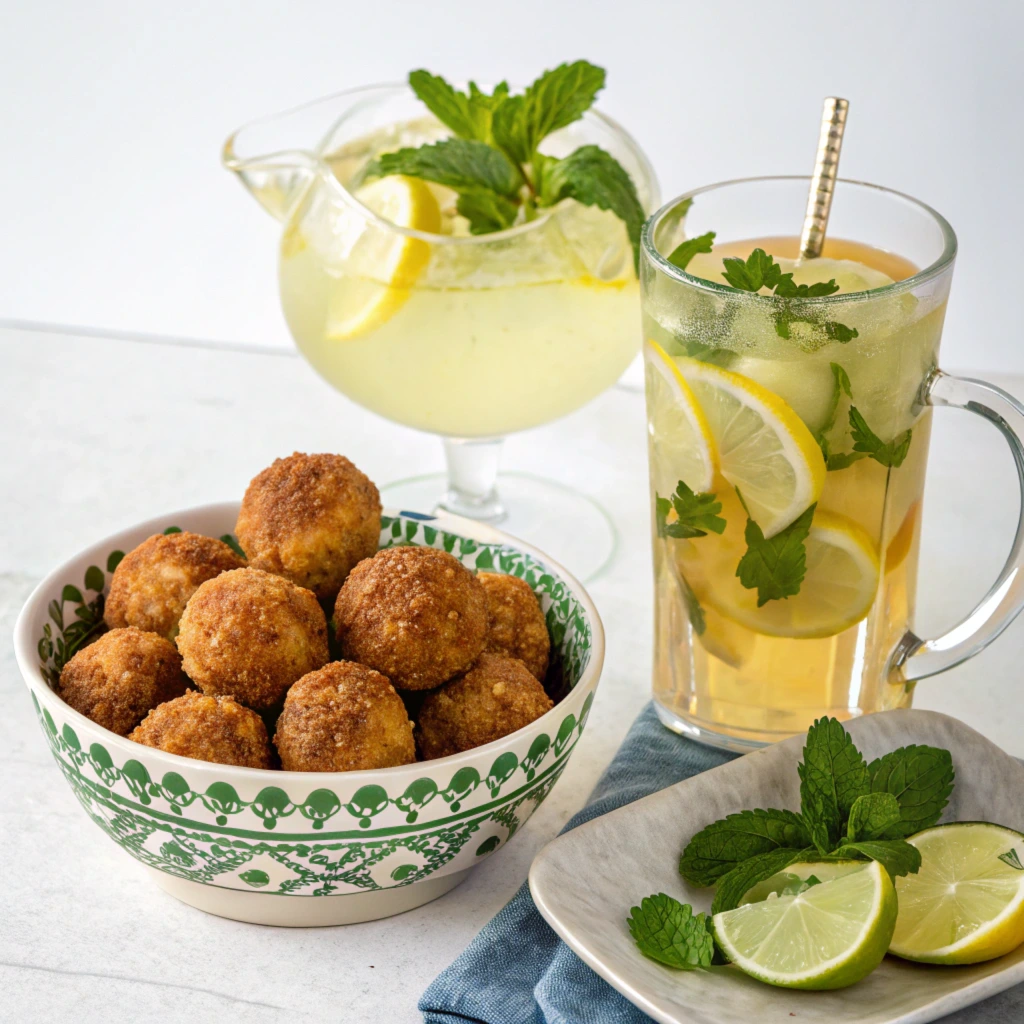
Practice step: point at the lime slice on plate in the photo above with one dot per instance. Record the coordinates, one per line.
(966, 904)
(381, 264)
(829, 936)
(799, 877)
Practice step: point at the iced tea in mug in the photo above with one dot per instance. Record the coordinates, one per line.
(789, 410)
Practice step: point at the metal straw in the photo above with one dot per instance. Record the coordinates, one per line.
(823, 182)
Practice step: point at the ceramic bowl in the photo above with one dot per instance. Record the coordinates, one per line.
(311, 848)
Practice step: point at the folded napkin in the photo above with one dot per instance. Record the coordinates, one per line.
(517, 971)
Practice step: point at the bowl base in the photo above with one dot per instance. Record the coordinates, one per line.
(305, 911)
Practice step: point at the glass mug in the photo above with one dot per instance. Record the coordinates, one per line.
(788, 440)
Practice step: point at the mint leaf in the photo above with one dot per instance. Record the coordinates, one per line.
(843, 460)
(788, 290)
(921, 780)
(595, 178)
(469, 116)
(684, 252)
(758, 271)
(722, 845)
(871, 815)
(556, 99)
(890, 454)
(486, 211)
(1011, 858)
(833, 774)
(696, 514)
(897, 856)
(733, 886)
(838, 332)
(694, 611)
(460, 164)
(668, 931)
(775, 567)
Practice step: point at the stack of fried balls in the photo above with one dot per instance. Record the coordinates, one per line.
(208, 653)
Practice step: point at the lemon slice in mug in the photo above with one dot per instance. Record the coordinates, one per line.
(382, 265)
(682, 448)
(966, 903)
(765, 450)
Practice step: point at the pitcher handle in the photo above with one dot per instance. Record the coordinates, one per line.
(915, 658)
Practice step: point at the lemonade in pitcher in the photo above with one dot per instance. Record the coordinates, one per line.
(787, 446)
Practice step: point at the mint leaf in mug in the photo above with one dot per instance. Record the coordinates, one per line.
(724, 844)
(668, 931)
(921, 780)
(775, 567)
(684, 252)
(696, 514)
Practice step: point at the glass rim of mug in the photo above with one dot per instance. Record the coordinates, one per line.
(369, 94)
(661, 263)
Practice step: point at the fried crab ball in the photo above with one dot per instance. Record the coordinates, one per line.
(342, 718)
(496, 697)
(117, 679)
(209, 729)
(515, 623)
(310, 519)
(415, 614)
(249, 634)
(153, 582)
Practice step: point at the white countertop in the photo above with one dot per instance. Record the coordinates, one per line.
(97, 433)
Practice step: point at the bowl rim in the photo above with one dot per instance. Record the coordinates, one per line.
(26, 655)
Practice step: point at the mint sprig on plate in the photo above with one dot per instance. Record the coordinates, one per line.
(494, 162)
(668, 931)
(849, 810)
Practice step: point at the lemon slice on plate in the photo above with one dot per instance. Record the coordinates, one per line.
(681, 444)
(382, 265)
(764, 448)
(966, 904)
(828, 936)
(838, 589)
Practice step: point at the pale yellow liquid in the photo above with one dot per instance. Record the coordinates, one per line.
(733, 681)
(492, 336)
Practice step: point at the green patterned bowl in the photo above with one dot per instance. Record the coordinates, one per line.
(310, 848)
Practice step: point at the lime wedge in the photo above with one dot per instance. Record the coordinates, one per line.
(800, 877)
(966, 904)
(829, 936)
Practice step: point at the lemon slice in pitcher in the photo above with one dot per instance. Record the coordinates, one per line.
(829, 936)
(838, 588)
(682, 448)
(381, 264)
(966, 904)
(765, 450)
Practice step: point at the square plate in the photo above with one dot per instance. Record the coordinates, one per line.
(585, 882)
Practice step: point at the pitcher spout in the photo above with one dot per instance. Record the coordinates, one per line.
(276, 179)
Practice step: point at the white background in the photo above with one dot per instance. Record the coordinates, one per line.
(115, 213)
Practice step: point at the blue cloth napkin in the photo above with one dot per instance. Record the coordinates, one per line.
(517, 971)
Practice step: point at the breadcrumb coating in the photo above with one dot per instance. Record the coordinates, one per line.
(217, 729)
(344, 717)
(415, 614)
(153, 582)
(249, 634)
(310, 519)
(120, 677)
(515, 622)
(496, 697)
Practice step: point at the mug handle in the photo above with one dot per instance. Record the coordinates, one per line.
(914, 658)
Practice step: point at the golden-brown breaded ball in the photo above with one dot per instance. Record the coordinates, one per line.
(497, 696)
(515, 623)
(310, 519)
(118, 678)
(250, 634)
(153, 582)
(415, 614)
(344, 717)
(207, 728)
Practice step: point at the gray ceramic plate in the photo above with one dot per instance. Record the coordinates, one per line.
(585, 882)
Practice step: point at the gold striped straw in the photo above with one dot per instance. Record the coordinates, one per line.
(823, 183)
